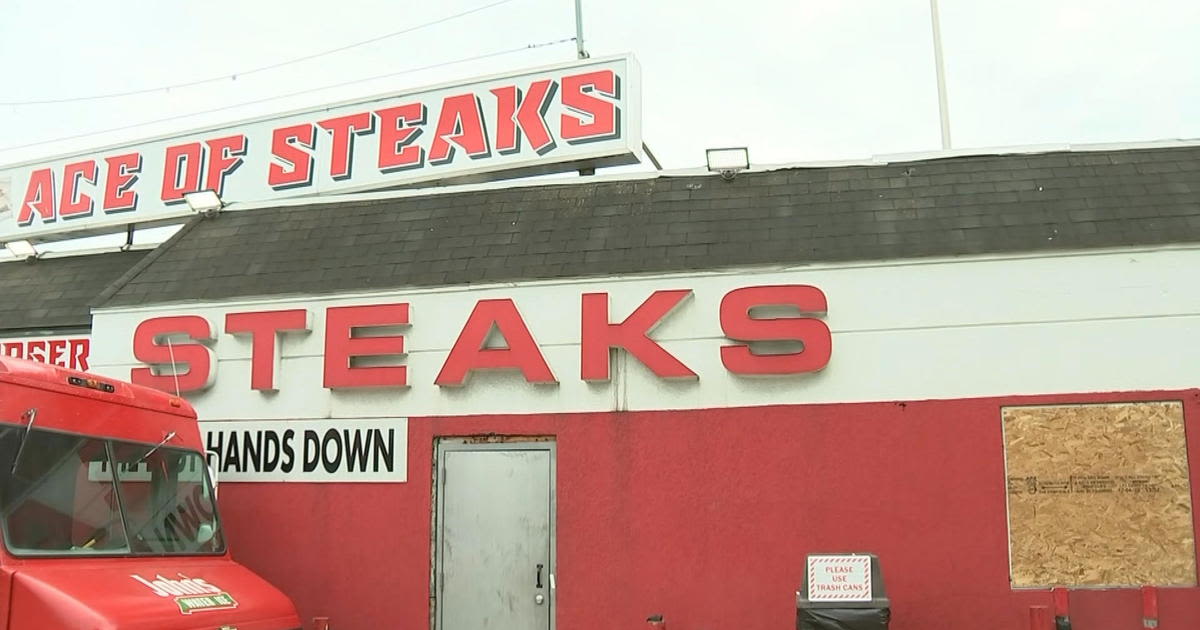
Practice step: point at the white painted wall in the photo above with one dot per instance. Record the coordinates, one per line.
(951, 328)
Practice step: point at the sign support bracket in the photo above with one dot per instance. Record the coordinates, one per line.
(579, 30)
(128, 237)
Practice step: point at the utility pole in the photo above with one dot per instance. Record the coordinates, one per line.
(579, 30)
(943, 108)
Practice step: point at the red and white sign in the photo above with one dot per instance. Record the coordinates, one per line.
(68, 352)
(178, 348)
(839, 578)
(551, 119)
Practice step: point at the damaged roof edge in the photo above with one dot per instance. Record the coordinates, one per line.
(700, 171)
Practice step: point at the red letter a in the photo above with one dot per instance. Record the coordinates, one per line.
(469, 354)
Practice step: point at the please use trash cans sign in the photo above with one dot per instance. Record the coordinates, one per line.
(839, 578)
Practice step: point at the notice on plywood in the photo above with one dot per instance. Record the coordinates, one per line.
(1098, 495)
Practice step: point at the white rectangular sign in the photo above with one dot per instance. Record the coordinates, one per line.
(5, 197)
(190, 470)
(68, 352)
(839, 578)
(328, 450)
(582, 114)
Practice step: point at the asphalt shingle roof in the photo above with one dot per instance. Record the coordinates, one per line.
(53, 294)
(943, 207)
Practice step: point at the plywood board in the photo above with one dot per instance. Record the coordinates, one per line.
(1098, 495)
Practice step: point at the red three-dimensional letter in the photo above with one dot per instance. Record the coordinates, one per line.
(342, 131)
(225, 156)
(460, 122)
(150, 347)
(263, 328)
(341, 346)
(633, 334)
(738, 324)
(39, 199)
(524, 115)
(585, 117)
(123, 172)
(74, 202)
(182, 172)
(469, 354)
(291, 164)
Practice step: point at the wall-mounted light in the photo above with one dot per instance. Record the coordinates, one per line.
(204, 202)
(728, 162)
(21, 249)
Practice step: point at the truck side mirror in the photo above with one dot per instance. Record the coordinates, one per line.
(205, 533)
(212, 460)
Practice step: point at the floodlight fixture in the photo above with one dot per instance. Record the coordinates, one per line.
(21, 249)
(729, 161)
(204, 202)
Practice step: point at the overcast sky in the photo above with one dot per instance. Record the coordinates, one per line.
(793, 80)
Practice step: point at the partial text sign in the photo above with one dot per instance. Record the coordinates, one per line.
(68, 352)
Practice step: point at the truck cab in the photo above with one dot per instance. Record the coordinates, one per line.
(108, 513)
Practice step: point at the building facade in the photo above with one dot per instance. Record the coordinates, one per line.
(579, 404)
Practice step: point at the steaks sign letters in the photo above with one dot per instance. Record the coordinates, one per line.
(365, 345)
(584, 114)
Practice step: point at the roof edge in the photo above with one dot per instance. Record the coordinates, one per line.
(1029, 149)
(91, 251)
(141, 265)
(259, 299)
(566, 180)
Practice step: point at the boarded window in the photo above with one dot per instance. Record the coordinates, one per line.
(1098, 495)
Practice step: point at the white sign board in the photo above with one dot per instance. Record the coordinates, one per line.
(582, 114)
(328, 450)
(5, 196)
(68, 352)
(190, 470)
(839, 578)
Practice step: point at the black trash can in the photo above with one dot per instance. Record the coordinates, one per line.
(843, 592)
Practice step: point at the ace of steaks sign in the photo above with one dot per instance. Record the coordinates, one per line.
(583, 114)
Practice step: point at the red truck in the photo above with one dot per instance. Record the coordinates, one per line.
(109, 515)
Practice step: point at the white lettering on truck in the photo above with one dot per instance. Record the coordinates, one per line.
(166, 587)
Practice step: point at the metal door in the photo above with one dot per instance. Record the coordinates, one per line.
(494, 557)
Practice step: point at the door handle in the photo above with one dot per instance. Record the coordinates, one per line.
(539, 576)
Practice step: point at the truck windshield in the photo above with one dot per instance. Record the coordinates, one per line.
(76, 495)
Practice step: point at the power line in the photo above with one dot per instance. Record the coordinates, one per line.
(235, 75)
(443, 64)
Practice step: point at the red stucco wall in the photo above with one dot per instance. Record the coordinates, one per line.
(706, 517)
